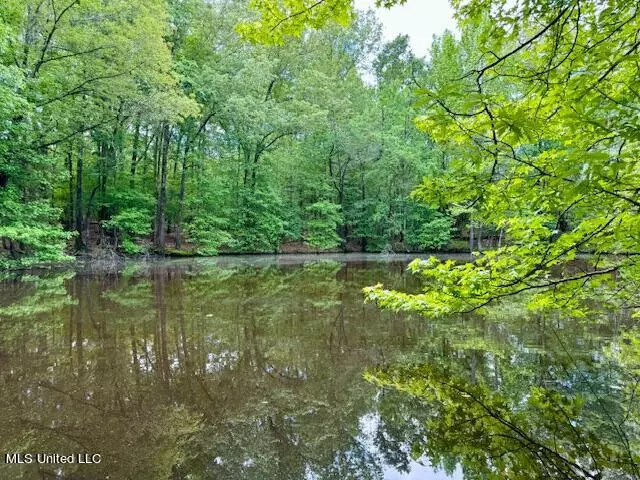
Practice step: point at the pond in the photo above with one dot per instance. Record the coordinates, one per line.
(254, 367)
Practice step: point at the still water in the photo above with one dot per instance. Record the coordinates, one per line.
(245, 367)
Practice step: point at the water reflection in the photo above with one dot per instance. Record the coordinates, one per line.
(237, 369)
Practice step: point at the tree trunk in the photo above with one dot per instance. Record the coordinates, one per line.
(471, 239)
(175, 160)
(162, 191)
(134, 155)
(247, 157)
(156, 154)
(70, 216)
(80, 245)
(363, 197)
(183, 179)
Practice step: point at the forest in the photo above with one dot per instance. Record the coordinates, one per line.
(159, 127)
(196, 127)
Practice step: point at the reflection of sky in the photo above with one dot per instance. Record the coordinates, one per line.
(369, 424)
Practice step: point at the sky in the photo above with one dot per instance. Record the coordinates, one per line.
(420, 19)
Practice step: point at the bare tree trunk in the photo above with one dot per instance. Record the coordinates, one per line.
(471, 239)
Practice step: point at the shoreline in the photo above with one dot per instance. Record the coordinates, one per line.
(117, 261)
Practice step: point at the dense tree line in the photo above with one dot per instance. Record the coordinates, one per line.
(158, 125)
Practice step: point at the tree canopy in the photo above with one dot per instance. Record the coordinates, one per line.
(538, 118)
(141, 127)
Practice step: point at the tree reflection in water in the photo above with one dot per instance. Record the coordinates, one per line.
(218, 369)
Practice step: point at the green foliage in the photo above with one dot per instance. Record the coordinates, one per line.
(536, 141)
(29, 228)
(323, 219)
(30, 231)
(130, 222)
(531, 110)
(122, 116)
(130, 247)
(286, 18)
(430, 229)
(280, 19)
(375, 222)
(209, 233)
(259, 227)
(130, 199)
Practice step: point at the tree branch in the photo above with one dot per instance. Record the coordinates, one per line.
(45, 47)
